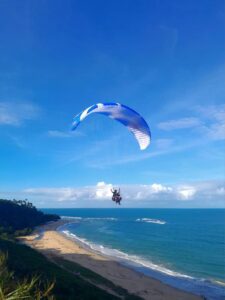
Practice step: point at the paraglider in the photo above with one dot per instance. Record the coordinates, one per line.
(134, 122)
(116, 196)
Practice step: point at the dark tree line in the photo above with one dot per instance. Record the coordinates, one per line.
(20, 217)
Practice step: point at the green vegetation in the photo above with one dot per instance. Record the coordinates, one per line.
(26, 262)
(27, 274)
(13, 289)
(19, 217)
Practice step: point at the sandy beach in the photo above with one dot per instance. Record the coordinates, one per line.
(51, 243)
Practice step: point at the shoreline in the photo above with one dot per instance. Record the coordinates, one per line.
(50, 242)
(211, 290)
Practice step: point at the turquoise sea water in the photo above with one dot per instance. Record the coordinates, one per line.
(182, 247)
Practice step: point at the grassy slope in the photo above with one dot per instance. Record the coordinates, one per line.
(24, 260)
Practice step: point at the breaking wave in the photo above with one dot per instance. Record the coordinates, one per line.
(198, 286)
(71, 218)
(154, 221)
(87, 219)
(121, 255)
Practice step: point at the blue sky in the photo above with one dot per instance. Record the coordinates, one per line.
(164, 59)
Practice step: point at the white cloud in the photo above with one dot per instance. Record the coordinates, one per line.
(147, 192)
(213, 112)
(99, 192)
(137, 193)
(210, 122)
(214, 127)
(64, 134)
(59, 134)
(15, 113)
(186, 192)
(221, 191)
(179, 123)
(159, 188)
(103, 190)
(60, 194)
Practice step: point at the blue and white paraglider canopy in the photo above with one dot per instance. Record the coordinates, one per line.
(125, 115)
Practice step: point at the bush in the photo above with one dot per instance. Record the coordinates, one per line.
(12, 289)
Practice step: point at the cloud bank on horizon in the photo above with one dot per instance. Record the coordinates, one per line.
(199, 194)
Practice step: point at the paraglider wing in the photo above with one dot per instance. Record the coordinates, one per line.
(125, 115)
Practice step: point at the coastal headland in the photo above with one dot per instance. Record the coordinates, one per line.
(55, 246)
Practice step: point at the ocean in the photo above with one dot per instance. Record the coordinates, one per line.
(181, 247)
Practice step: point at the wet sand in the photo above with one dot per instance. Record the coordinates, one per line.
(51, 243)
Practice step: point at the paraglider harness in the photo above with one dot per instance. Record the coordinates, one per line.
(116, 196)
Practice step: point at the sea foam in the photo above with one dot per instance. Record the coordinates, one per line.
(198, 286)
(87, 218)
(115, 253)
(148, 220)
